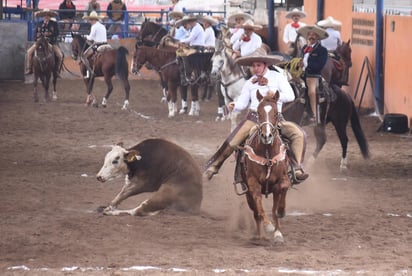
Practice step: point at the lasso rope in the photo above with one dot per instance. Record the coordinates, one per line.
(294, 69)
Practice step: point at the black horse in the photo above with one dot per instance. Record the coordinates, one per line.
(151, 33)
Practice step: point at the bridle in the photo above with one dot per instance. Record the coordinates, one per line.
(267, 130)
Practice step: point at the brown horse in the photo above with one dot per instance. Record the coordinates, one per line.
(336, 70)
(266, 168)
(164, 62)
(105, 64)
(44, 66)
(151, 33)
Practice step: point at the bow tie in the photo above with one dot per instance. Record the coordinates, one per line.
(260, 80)
(295, 25)
(308, 49)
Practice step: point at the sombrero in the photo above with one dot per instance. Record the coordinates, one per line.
(259, 55)
(209, 20)
(93, 16)
(231, 20)
(175, 14)
(303, 31)
(329, 22)
(185, 19)
(249, 24)
(296, 12)
(46, 12)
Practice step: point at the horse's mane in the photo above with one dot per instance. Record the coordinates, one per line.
(80, 39)
(150, 28)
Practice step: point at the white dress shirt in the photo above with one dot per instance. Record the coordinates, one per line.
(210, 39)
(276, 82)
(236, 35)
(290, 33)
(98, 33)
(196, 36)
(248, 47)
(332, 41)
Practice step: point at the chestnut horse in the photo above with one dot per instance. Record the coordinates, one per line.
(266, 168)
(164, 62)
(106, 63)
(337, 71)
(44, 66)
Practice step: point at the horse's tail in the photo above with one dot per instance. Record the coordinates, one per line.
(122, 67)
(357, 130)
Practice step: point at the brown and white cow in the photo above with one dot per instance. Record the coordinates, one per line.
(154, 165)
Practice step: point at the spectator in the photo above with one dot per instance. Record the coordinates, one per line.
(93, 6)
(67, 14)
(290, 31)
(116, 12)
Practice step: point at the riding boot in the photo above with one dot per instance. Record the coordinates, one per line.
(238, 181)
(216, 161)
(29, 65)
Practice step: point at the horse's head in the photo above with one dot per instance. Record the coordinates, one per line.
(78, 45)
(42, 45)
(218, 61)
(138, 59)
(268, 117)
(345, 51)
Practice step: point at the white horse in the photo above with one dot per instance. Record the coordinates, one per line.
(231, 78)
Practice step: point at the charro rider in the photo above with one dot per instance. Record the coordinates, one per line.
(314, 59)
(97, 37)
(290, 30)
(49, 29)
(266, 81)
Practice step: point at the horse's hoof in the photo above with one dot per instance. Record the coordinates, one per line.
(54, 97)
(269, 228)
(278, 237)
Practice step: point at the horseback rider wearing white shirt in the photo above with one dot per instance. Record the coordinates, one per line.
(248, 42)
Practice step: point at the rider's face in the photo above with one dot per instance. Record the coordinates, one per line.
(312, 37)
(258, 68)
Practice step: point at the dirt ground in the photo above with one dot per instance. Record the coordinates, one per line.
(358, 222)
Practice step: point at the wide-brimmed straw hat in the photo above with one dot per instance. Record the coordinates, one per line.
(93, 16)
(209, 20)
(45, 12)
(329, 22)
(231, 20)
(296, 12)
(176, 14)
(303, 31)
(249, 24)
(259, 55)
(186, 19)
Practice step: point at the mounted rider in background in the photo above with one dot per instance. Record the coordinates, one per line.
(49, 29)
(97, 37)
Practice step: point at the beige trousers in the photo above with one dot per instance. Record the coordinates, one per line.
(312, 84)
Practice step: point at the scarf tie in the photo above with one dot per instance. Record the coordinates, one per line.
(295, 25)
(260, 80)
(308, 49)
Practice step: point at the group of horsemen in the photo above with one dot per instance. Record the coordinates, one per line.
(248, 51)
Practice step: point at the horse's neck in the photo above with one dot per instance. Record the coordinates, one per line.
(230, 72)
(159, 57)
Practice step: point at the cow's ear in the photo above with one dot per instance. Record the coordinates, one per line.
(120, 144)
(132, 156)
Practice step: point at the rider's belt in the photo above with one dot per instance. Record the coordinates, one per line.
(313, 76)
(252, 116)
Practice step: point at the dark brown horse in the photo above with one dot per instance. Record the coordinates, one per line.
(164, 62)
(338, 111)
(44, 67)
(266, 166)
(106, 63)
(336, 70)
(151, 33)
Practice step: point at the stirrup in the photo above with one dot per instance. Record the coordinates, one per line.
(243, 188)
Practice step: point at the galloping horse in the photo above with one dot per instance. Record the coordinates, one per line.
(151, 33)
(339, 112)
(266, 168)
(105, 64)
(44, 66)
(231, 77)
(164, 62)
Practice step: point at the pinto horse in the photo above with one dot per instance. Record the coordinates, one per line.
(106, 63)
(164, 62)
(44, 67)
(266, 168)
(231, 79)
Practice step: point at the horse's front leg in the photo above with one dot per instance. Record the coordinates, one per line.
(35, 90)
(46, 84)
(126, 86)
(171, 98)
(54, 96)
(194, 107)
(278, 211)
(320, 134)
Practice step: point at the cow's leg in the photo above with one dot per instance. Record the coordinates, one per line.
(129, 189)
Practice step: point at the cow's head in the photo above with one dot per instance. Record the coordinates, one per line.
(116, 162)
